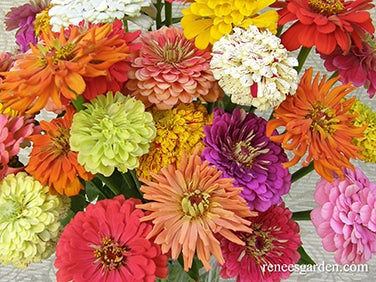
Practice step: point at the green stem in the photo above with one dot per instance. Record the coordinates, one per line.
(158, 19)
(301, 215)
(78, 103)
(302, 172)
(302, 57)
(168, 13)
(131, 189)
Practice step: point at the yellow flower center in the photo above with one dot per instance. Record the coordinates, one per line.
(173, 52)
(257, 244)
(111, 255)
(61, 140)
(195, 204)
(323, 119)
(326, 7)
(244, 153)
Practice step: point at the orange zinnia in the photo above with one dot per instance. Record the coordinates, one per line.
(189, 206)
(52, 162)
(55, 69)
(316, 120)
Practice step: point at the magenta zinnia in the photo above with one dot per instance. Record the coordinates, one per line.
(108, 242)
(190, 204)
(169, 69)
(345, 218)
(274, 242)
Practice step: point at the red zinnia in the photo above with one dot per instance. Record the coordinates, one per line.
(325, 24)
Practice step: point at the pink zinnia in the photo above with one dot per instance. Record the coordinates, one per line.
(357, 66)
(107, 243)
(274, 242)
(169, 69)
(13, 131)
(345, 218)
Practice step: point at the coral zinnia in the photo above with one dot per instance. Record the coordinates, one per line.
(207, 21)
(325, 24)
(345, 217)
(29, 220)
(55, 68)
(169, 69)
(179, 131)
(317, 121)
(190, 204)
(236, 144)
(51, 160)
(108, 242)
(274, 242)
(112, 132)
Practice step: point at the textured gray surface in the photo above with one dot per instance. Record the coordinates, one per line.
(299, 198)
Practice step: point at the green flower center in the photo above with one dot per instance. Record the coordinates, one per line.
(111, 255)
(322, 118)
(9, 210)
(326, 7)
(195, 204)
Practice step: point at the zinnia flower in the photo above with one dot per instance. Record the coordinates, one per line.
(316, 120)
(13, 132)
(325, 24)
(29, 220)
(253, 68)
(22, 18)
(207, 21)
(55, 69)
(345, 218)
(236, 144)
(108, 242)
(169, 70)
(357, 66)
(112, 132)
(70, 12)
(366, 117)
(51, 160)
(179, 130)
(274, 241)
(190, 204)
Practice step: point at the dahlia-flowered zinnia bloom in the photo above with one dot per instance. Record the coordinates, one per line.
(13, 132)
(70, 12)
(55, 69)
(253, 67)
(325, 24)
(366, 117)
(357, 66)
(169, 69)
(22, 18)
(29, 220)
(113, 131)
(108, 242)
(345, 217)
(52, 162)
(190, 204)
(274, 242)
(207, 21)
(236, 144)
(316, 120)
(179, 130)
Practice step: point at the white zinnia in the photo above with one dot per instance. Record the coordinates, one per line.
(251, 56)
(70, 12)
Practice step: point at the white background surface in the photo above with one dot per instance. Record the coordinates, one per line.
(299, 198)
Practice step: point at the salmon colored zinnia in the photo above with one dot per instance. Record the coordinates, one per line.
(317, 121)
(51, 160)
(190, 204)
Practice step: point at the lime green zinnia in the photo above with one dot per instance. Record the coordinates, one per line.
(365, 117)
(112, 132)
(208, 20)
(29, 220)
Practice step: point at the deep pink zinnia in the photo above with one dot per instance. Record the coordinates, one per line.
(107, 243)
(345, 218)
(274, 242)
(169, 69)
(357, 66)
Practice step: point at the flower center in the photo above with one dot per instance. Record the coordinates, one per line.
(326, 7)
(111, 255)
(244, 153)
(173, 52)
(61, 140)
(323, 119)
(257, 244)
(9, 210)
(195, 204)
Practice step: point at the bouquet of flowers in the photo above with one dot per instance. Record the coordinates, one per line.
(174, 131)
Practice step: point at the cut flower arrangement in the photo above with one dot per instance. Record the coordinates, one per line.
(158, 163)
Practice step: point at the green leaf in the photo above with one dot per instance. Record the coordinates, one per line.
(78, 103)
(176, 273)
(93, 192)
(301, 215)
(78, 202)
(304, 257)
(68, 218)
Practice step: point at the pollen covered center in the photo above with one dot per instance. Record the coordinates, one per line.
(195, 204)
(326, 7)
(111, 255)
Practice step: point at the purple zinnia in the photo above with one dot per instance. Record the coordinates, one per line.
(236, 144)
